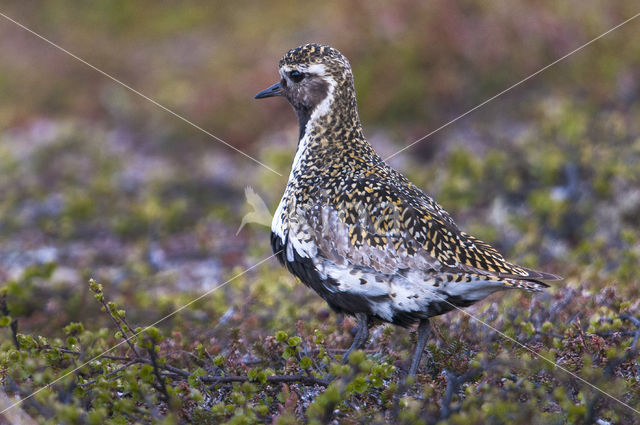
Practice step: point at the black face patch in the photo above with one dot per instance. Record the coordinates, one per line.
(305, 97)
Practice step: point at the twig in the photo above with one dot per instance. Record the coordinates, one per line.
(135, 419)
(633, 348)
(78, 353)
(152, 407)
(592, 405)
(636, 335)
(560, 305)
(614, 333)
(176, 370)
(453, 386)
(181, 374)
(551, 334)
(162, 385)
(117, 322)
(4, 309)
(110, 374)
(274, 379)
(400, 390)
(592, 409)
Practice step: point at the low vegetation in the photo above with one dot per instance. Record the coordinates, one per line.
(126, 295)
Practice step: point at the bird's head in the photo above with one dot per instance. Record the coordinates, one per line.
(312, 76)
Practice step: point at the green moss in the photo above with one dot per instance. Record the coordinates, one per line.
(106, 188)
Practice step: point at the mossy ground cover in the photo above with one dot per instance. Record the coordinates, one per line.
(262, 347)
(113, 218)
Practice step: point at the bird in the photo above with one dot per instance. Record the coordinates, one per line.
(368, 241)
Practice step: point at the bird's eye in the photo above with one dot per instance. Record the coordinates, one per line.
(296, 76)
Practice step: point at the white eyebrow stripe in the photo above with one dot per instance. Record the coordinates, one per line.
(314, 68)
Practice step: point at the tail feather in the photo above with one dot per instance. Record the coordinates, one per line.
(527, 285)
(529, 274)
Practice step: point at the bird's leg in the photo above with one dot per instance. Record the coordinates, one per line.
(362, 334)
(423, 334)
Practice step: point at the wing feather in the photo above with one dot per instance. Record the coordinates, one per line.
(391, 227)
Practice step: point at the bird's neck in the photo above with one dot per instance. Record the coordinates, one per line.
(332, 135)
(333, 121)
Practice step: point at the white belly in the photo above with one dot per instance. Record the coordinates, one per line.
(418, 291)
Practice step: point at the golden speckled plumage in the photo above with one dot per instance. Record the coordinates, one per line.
(357, 231)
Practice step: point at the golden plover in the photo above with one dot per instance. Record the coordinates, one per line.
(358, 232)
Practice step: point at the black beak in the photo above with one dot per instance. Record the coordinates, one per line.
(274, 90)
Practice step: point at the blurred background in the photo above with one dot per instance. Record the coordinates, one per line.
(98, 182)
